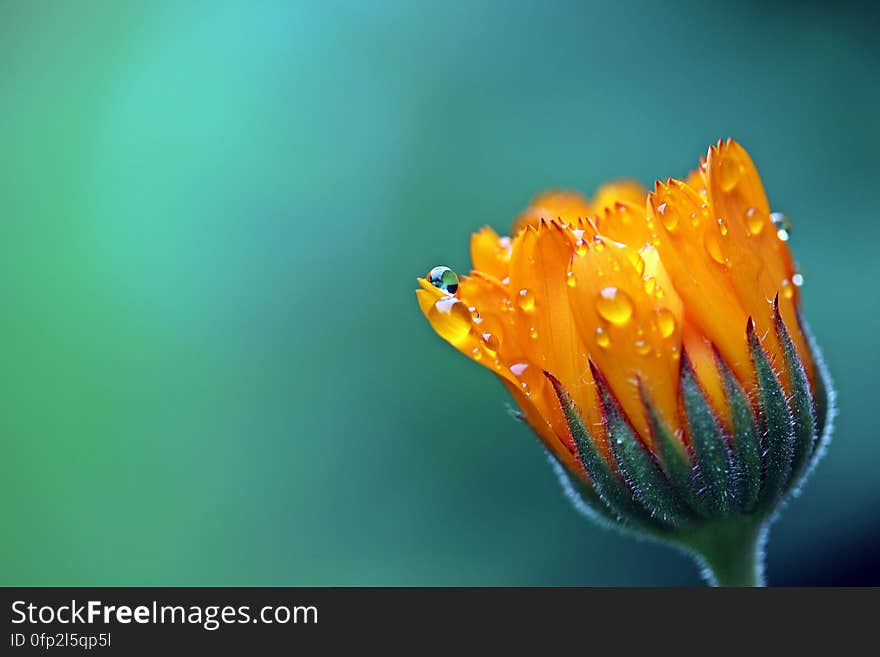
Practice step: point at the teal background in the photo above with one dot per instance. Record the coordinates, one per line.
(213, 370)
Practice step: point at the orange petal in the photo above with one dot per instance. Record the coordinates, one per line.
(628, 192)
(632, 326)
(687, 240)
(490, 253)
(759, 262)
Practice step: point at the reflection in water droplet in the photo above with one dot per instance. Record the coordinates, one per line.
(444, 279)
(533, 333)
(602, 338)
(614, 305)
(580, 247)
(570, 279)
(722, 226)
(797, 279)
(665, 322)
(527, 300)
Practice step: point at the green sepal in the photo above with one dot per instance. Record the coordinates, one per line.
(746, 446)
(801, 402)
(609, 487)
(674, 458)
(776, 425)
(714, 459)
(637, 466)
(582, 495)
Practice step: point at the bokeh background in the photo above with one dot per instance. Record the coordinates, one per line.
(213, 370)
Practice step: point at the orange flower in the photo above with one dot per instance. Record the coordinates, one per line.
(629, 282)
(675, 312)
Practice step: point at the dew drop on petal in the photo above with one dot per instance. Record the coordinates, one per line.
(730, 173)
(712, 242)
(570, 280)
(665, 322)
(444, 279)
(642, 347)
(797, 279)
(650, 284)
(602, 338)
(580, 247)
(476, 354)
(533, 333)
(787, 289)
(614, 305)
(636, 260)
(490, 343)
(526, 300)
(754, 221)
(668, 216)
(722, 226)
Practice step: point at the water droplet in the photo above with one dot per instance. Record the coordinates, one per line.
(787, 290)
(783, 225)
(602, 338)
(650, 284)
(668, 216)
(614, 305)
(642, 348)
(730, 172)
(475, 314)
(636, 260)
(580, 247)
(722, 226)
(476, 354)
(797, 279)
(527, 300)
(533, 333)
(665, 322)
(570, 279)
(712, 242)
(518, 368)
(444, 279)
(490, 343)
(754, 221)
(695, 219)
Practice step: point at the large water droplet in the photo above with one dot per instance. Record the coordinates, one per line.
(444, 279)
(614, 305)
(527, 300)
(730, 173)
(665, 322)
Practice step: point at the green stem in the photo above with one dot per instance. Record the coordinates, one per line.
(730, 553)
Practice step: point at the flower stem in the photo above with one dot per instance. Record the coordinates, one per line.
(730, 553)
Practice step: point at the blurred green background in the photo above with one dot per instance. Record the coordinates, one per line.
(212, 214)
